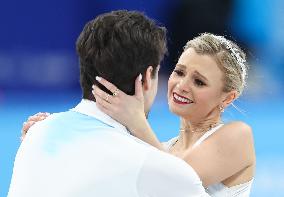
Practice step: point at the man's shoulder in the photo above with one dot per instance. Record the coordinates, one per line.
(73, 126)
(66, 127)
(72, 118)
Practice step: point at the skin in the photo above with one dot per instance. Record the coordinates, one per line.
(31, 121)
(227, 156)
(229, 151)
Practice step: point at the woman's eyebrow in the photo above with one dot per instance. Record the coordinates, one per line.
(200, 75)
(181, 66)
(195, 72)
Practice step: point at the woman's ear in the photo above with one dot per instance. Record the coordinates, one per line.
(148, 78)
(229, 98)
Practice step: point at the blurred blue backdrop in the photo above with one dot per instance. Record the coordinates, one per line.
(39, 67)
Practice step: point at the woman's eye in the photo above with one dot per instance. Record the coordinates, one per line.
(178, 72)
(198, 82)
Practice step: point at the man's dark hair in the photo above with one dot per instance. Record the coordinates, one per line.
(118, 46)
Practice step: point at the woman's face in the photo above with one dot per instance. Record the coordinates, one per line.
(195, 87)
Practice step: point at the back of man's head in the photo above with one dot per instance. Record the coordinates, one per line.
(118, 46)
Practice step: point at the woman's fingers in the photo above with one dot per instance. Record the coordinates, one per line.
(123, 108)
(97, 92)
(108, 85)
(31, 121)
(38, 116)
(27, 126)
(104, 105)
(138, 87)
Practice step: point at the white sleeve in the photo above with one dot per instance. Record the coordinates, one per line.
(164, 175)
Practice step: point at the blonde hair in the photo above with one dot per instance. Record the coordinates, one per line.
(229, 57)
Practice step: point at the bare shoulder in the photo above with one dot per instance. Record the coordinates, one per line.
(237, 130)
(229, 150)
(239, 125)
(237, 137)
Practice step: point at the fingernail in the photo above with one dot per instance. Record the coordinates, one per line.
(98, 78)
(140, 77)
(93, 86)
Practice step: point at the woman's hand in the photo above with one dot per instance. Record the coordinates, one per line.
(128, 110)
(31, 121)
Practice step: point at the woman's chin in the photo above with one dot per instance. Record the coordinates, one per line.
(176, 111)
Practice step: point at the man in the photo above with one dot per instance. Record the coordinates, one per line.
(83, 152)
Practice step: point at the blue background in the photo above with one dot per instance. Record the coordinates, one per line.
(39, 68)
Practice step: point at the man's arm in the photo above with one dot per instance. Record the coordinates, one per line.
(164, 175)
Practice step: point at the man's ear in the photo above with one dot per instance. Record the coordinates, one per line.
(148, 78)
(229, 98)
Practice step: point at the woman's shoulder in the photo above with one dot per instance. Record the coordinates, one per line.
(239, 124)
(233, 137)
(236, 130)
(236, 137)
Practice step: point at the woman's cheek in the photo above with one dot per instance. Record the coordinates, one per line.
(204, 96)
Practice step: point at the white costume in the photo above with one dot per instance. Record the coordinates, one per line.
(85, 153)
(219, 189)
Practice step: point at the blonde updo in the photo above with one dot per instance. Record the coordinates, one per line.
(229, 57)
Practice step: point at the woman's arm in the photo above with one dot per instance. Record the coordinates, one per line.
(224, 154)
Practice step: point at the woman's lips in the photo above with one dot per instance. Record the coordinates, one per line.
(181, 99)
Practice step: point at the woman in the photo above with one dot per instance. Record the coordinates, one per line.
(210, 74)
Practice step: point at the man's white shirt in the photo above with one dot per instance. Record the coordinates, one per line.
(85, 153)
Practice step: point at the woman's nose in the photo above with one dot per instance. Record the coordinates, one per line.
(184, 85)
